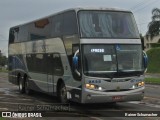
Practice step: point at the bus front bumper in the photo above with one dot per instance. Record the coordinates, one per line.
(91, 96)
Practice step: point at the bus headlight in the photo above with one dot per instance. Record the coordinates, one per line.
(143, 83)
(93, 87)
(139, 84)
(90, 86)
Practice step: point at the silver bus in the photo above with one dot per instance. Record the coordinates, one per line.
(85, 55)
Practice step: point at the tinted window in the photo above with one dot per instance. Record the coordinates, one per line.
(13, 35)
(36, 63)
(50, 63)
(58, 68)
(106, 24)
(31, 62)
(70, 23)
(57, 24)
(23, 33)
(40, 29)
(40, 63)
(36, 37)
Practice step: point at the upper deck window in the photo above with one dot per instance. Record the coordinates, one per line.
(106, 24)
(70, 23)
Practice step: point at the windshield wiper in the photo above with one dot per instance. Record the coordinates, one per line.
(129, 73)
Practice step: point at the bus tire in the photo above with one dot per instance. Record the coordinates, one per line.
(21, 85)
(62, 93)
(113, 103)
(28, 91)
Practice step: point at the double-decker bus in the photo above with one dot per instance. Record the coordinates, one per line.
(85, 55)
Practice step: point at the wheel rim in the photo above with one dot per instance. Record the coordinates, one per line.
(20, 85)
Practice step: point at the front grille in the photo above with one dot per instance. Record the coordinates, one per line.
(117, 90)
(117, 80)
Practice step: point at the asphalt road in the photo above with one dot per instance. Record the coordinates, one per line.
(11, 100)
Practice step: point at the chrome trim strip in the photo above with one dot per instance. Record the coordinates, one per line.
(110, 41)
(73, 87)
(13, 75)
(38, 81)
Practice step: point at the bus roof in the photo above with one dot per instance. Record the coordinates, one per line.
(100, 8)
(77, 9)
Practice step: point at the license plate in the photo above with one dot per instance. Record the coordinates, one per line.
(117, 98)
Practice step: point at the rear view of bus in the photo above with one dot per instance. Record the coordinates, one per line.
(111, 56)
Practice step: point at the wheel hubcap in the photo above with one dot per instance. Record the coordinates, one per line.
(63, 93)
(20, 85)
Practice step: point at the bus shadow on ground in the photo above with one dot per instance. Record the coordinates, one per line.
(75, 109)
(48, 99)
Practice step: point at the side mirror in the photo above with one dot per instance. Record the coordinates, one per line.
(145, 59)
(75, 63)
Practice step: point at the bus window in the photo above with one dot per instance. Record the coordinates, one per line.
(36, 62)
(40, 66)
(70, 23)
(30, 62)
(103, 24)
(50, 64)
(11, 36)
(58, 68)
(23, 33)
(57, 23)
(36, 37)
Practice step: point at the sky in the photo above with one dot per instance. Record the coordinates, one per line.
(15, 12)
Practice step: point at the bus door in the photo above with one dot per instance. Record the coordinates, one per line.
(50, 77)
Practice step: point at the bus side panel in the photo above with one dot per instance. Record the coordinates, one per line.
(17, 68)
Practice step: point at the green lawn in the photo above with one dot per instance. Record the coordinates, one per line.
(153, 60)
(3, 71)
(152, 80)
(2, 118)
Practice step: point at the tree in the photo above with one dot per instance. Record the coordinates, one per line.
(3, 60)
(154, 25)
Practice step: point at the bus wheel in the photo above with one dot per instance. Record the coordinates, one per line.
(62, 93)
(21, 85)
(27, 89)
(112, 103)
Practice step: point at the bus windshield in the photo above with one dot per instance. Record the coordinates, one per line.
(106, 24)
(112, 59)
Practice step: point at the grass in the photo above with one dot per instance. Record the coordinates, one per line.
(152, 80)
(153, 60)
(153, 65)
(3, 71)
(2, 118)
